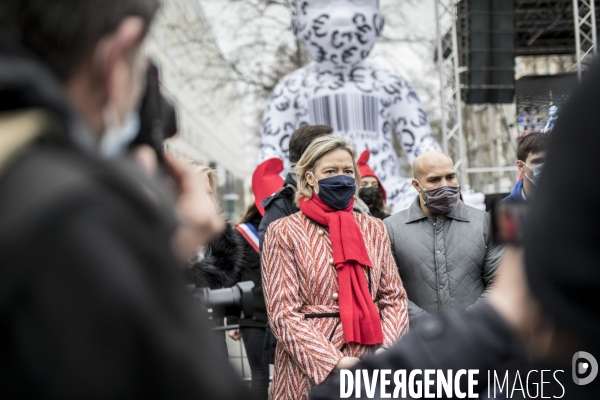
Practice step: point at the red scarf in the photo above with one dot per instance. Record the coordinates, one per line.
(359, 315)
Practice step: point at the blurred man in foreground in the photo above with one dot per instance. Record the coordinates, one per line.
(545, 297)
(91, 300)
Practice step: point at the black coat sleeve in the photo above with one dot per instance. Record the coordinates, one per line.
(474, 339)
(562, 235)
(100, 310)
(278, 206)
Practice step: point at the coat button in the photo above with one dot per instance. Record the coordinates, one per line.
(320, 232)
(335, 296)
(331, 261)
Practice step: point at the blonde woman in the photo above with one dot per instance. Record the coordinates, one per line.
(216, 264)
(197, 208)
(332, 290)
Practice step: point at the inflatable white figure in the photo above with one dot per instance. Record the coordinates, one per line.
(362, 102)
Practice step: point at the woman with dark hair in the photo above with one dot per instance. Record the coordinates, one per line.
(265, 182)
(371, 191)
(332, 289)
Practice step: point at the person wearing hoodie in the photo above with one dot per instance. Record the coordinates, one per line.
(371, 191)
(93, 304)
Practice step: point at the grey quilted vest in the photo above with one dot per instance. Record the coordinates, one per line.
(446, 262)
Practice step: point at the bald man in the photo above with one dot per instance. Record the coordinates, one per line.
(442, 247)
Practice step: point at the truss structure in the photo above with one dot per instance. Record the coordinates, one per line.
(586, 42)
(544, 27)
(481, 138)
(450, 96)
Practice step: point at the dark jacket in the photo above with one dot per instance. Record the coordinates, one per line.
(222, 262)
(280, 205)
(516, 194)
(250, 271)
(92, 303)
(474, 339)
(562, 236)
(446, 262)
(377, 213)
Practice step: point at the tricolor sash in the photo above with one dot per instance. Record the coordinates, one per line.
(250, 233)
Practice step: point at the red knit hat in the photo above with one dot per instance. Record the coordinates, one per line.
(364, 170)
(266, 181)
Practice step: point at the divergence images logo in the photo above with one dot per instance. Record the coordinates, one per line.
(584, 364)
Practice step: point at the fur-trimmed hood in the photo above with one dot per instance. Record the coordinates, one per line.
(222, 262)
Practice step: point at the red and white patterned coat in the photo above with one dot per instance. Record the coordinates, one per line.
(299, 278)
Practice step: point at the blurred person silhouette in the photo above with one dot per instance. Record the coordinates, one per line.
(218, 263)
(332, 292)
(531, 154)
(265, 181)
(372, 192)
(93, 304)
(546, 293)
(443, 247)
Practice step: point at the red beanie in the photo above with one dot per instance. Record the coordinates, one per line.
(364, 170)
(266, 181)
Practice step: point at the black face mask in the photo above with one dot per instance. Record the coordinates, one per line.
(441, 200)
(337, 191)
(370, 195)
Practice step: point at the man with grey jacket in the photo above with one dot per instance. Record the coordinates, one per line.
(442, 247)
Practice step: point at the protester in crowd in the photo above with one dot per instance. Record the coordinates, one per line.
(331, 288)
(92, 298)
(372, 192)
(531, 154)
(265, 181)
(443, 247)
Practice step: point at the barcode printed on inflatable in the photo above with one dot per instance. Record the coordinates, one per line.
(346, 112)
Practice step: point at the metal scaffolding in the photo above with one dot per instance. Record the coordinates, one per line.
(483, 136)
(448, 68)
(584, 17)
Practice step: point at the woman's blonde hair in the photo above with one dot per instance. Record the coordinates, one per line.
(201, 168)
(310, 160)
